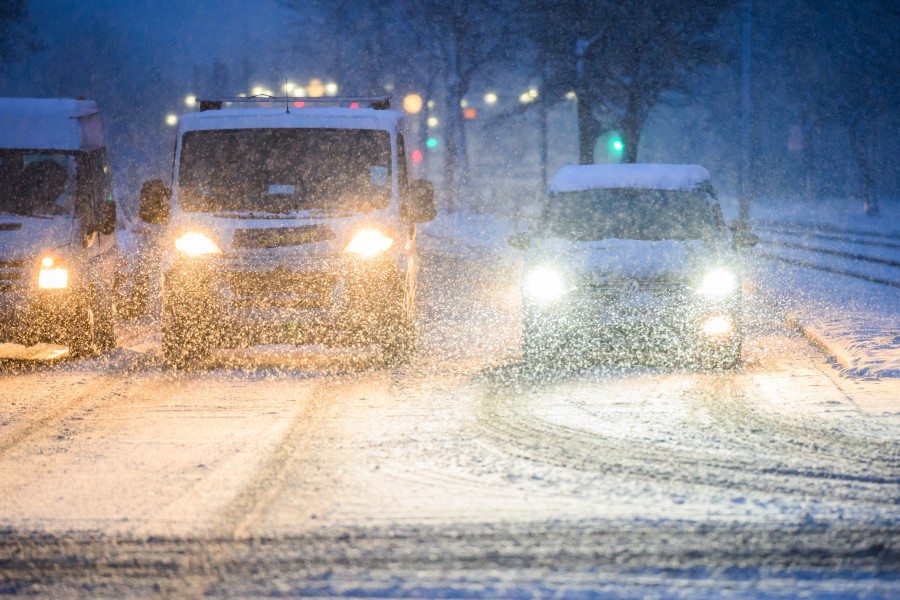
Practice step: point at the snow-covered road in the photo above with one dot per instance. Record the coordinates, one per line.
(463, 474)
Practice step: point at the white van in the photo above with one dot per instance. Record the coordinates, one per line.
(290, 223)
(57, 225)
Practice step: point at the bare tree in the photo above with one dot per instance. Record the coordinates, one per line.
(622, 57)
(464, 37)
(832, 68)
(870, 89)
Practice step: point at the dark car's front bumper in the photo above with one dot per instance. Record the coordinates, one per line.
(673, 323)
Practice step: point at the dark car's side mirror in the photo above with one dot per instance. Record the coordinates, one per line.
(155, 201)
(421, 205)
(107, 218)
(741, 236)
(520, 241)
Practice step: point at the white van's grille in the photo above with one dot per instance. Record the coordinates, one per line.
(279, 237)
(11, 273)
(282, 288)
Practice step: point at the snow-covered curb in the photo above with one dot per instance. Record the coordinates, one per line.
(849, 350)
(833, 348)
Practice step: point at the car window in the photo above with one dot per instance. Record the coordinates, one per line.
(35, 182)
(631, 214)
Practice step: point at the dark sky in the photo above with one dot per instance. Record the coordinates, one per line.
(196, 30)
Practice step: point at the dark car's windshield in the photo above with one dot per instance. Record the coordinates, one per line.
(631, 214)
(284, 170)
(34, 182)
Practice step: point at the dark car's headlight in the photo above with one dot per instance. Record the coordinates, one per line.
(545, 283)
(717, 283)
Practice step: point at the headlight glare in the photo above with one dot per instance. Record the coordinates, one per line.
(369, 243)
(52, 276)
(545, 284)
(717, 283)
(196, 244)
(717, 326)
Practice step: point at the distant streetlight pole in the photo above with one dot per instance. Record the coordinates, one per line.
(746, 188)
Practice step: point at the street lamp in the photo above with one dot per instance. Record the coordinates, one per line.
(433, 122)
(315, 89)
(412, 103)
(490, 98)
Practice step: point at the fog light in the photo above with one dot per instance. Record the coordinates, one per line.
(369, 243)
(53, 278)
(717, 326)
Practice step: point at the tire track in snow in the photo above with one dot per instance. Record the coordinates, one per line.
(505, 419)
(816, 439)
(270, 478)
(98, 390)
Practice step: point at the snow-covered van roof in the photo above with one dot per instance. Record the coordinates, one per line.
(50, 124)
(574, 178)
(319, 118)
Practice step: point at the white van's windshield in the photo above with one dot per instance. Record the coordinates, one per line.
(631, 214)
(284, 170)
(35, 182)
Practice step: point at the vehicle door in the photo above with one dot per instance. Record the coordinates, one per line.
(95, 211)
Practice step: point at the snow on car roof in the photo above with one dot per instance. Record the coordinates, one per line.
(50, 124)
(320, 118)
(574, 178)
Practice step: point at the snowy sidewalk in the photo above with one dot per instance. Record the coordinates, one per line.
(836, 275)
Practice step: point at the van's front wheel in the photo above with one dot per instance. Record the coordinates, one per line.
(184, 340)
(91, 327)
(399, 334)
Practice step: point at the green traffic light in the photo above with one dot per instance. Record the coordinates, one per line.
(431, 142)
(617, 145)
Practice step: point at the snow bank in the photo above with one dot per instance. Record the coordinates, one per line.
(856, 322)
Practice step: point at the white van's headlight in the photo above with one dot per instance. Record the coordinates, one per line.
(545, 284)
(196, 244)
(717, 283)
(369, 243)
(52, 276)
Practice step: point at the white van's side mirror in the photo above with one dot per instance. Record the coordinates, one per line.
(421, 204)
(155, 202)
